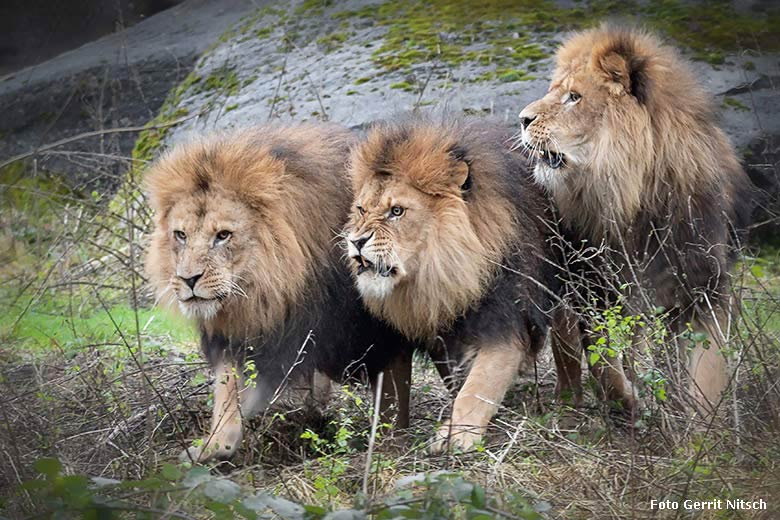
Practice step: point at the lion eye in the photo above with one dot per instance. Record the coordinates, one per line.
(223, 235)
(361, 209)
(573, 97)
(396, 211)
(180, 236)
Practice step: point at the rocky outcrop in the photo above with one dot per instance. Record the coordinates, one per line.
(116, 81)
(359, 61)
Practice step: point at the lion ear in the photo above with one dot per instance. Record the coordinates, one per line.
(461, 169)
(626, 72)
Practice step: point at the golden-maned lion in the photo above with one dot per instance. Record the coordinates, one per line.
(244, 243)
(649, 190)
(448, 248)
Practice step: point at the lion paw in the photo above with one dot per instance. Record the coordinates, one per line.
(462, 438)
(206, 452)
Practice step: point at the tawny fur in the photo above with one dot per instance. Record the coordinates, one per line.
(447, 244)
(640, 150)
(248, 185)
(245, 241)
(456, 263)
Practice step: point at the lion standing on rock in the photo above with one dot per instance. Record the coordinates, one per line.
(651, 195)
(245, 244)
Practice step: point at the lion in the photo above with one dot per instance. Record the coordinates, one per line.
(448, 248)
(245, 244)
(645, 182)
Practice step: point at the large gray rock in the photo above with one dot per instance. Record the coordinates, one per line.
(119, 80)
(332, 63)
(298, 68)
(352, 62)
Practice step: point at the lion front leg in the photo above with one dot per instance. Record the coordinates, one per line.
(566, 343)
(395, 391)
(492, 372)
(233, 401)
(613, 383)
(708, 367)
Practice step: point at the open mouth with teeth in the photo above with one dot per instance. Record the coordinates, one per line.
(366, 266)
(552, 159)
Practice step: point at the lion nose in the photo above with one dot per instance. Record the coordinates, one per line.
(526, 120)
(360, 242)
(192, 280)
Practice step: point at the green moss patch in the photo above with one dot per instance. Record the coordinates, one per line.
(402, 85)
(735, 104)
(332, 41)
(501, 32)
(505, 76)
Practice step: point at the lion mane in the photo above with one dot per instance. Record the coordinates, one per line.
(245, 228)
(654, 145)
(627, 143)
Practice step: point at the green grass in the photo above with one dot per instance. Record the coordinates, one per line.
(60, 323)
(762, 291)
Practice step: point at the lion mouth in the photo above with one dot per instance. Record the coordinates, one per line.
(367, 266)
(552, 159)
(199, 299)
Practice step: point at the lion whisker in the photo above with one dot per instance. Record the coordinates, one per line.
(162, 294)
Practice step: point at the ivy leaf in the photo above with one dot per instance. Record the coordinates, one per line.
(410, 480)
(281, 506)
(196, 476)
(100, 482)
(257, 503)
(221, 511)
(49, 467)
(287, 509)
(478, 497)
(593, 358)
(74, 490)
(462, 490)
(222, 491)
(170, 472)
(244, 511)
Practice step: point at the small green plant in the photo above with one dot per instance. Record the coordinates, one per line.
(616, 333)
(334, 452)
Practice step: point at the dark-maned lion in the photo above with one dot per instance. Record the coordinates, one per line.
(244, 243)
(448, 248)
(649, 189)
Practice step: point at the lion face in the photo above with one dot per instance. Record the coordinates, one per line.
(208, 240)
(241, 221)
(412, 237)
(559, 131)
(387, 234)
(593, 136)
